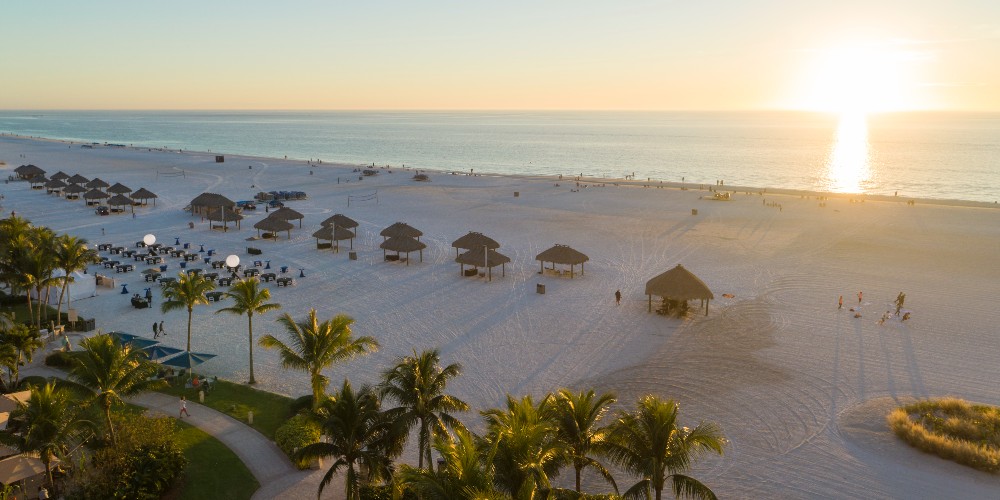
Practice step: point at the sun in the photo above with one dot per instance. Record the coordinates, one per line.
(859, 79)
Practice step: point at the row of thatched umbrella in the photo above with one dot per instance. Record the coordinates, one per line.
(98, 189)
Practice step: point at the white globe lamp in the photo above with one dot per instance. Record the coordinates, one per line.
(233, 260)
(149, 239)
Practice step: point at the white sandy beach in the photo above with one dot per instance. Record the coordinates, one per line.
(798, 386)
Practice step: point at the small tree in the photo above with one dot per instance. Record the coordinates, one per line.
(188, 291)
(249, 298)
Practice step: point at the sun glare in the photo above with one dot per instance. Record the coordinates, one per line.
(860, 79)
(848, 166)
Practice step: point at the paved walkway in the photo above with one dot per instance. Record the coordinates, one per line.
(273, 470)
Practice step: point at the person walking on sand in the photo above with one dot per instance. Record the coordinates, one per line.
(184, 408)
(618, 297)
(156, 331)
(162, 331)
(859, 297)
(840, 302)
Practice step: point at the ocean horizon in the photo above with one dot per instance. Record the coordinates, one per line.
(936, 155)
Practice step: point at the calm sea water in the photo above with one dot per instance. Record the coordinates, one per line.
(931, 155)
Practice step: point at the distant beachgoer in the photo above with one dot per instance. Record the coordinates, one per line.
(102, 231)
(156, 331)
(162, 331)
(840, 303)
(618, 297)
(149, 295)
(184, 408)
(859, 297)
(906, 316)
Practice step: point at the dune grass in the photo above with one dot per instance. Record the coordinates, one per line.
(952, 429)
(236, 400)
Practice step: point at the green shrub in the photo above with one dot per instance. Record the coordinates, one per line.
(297, 432)
(59, 359)
(302, 403)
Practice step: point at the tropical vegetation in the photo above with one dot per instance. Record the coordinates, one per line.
(249, 298)
(186, 292)
(952, 429)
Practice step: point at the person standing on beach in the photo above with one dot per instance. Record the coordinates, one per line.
(184, 408)
(162, 331)
(618, 297)
(156, 331)
(859, 297)
(840, 302)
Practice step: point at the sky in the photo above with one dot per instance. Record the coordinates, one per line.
(846, 55)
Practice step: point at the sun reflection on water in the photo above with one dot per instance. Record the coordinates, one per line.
(849, 166)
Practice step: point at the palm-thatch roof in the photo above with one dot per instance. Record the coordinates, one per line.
(562, 254)
(119, 188)
(144, 194)
(334, 234)
(403, 244)
(97, 183)
(38, 179)
(59, 176)
(95, 194)
(74, 189)
(274, 226)
(205, 201)
(285, 213)
(401, 229)
(28, 171)
(474, 240)
(55, 184)
(120, 200)
(483, 257)
(678, 284)
(77, 179)
(340, 220)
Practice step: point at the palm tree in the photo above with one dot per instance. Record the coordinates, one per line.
(23, 341)
(249, 298)
(527, 451)
(113, 371)
(34, 258)
(578, 418)
(467, 471)
(417, 383)
(71, 255)
(650, 443)
(356, 434)
(314, 346)
(51, 422)
(188, 291)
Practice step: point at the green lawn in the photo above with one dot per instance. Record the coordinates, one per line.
(214, 472)
(269, 410)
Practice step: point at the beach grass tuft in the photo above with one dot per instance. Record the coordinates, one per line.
(952, 429)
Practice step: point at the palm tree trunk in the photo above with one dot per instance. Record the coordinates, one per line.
(48, 470)
(107, 415)
(31, 313)
(578, 468)
(62, 294)
(420, 445)
(250, 329)
(317, 387)
(351, 482)
(189, 329)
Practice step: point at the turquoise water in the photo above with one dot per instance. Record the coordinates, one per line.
(930, 155)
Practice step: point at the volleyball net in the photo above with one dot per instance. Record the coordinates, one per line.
(362, 198)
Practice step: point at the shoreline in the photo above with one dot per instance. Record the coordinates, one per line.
(617, 182)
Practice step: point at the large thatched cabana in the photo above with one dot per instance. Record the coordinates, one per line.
(97, 183)
(94, 196)
(202, 203)
(678, 284)
(562, 254)
(59, 176)
(274, 226)
(474, 240)
(340, 220)
(483, 257)
(119, 188)
(78, 179)
(333, 234)
(142, 195)
(55, 186)
(403, 244)
(225, 215)
(37, 181)
(401, 229)
(74, 191)
(28, 171)
(120, 200)
(285, 213)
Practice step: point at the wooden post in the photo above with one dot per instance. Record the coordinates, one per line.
(650, 303)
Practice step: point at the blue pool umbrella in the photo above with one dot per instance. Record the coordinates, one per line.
(122, 337)
(188, 359)
(160, 351)
(135, 341)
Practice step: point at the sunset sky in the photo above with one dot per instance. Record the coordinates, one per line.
(836, 56)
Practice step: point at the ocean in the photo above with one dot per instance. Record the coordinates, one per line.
(926, 155)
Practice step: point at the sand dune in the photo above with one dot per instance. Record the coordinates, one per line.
(799, 387)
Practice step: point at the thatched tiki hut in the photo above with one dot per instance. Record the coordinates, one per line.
(37, 182)
(97, 183)
(59, 176)
(483, 257)
(678, 284)
(340, 220)
(285, 213)
(55, 186)
(74, 191)
(78, 179)
(403, 244)
(225, 215)
(28, 171)
(119, 188)
(474, 240)
(120, 200)
(333, 234)
(204, 202)
(273, 226)
(562, 254)
(94, 196)
(401, 229)
(142, 195)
